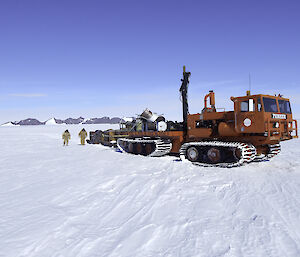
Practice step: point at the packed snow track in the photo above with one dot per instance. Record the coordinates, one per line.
(92, 201)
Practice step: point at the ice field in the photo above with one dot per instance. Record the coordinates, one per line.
(92, 201)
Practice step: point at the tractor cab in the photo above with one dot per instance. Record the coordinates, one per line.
(264, 115)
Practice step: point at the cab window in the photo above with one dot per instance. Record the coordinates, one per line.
(270, 105)
(259, 106)
(284, 106)
(244, 106)
(248, 106)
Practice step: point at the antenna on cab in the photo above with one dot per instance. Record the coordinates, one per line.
(249, 91)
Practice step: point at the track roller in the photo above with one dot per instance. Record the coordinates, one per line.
(217, 154)
(145, 146)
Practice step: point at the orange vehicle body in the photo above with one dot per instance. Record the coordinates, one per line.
(229, 126)
(254, 128)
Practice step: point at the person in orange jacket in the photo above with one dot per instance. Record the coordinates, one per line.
(66, 136)
(82, 134)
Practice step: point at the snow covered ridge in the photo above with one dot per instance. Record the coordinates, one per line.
(54, 121)
(9, 124)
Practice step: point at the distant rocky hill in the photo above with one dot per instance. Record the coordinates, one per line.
(29, 121)
(54, 121)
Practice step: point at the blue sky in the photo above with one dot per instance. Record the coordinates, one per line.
(94, 58)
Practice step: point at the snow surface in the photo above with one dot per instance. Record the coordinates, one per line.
(93, 201)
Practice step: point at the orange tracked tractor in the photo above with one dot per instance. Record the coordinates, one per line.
(252, 132)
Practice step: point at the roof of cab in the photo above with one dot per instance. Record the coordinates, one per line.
(259, 95)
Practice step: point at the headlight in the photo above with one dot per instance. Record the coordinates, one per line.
(247, 122)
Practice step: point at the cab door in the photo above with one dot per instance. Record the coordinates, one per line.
(249, 115)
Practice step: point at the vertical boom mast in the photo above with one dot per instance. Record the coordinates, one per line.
(183, 90)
